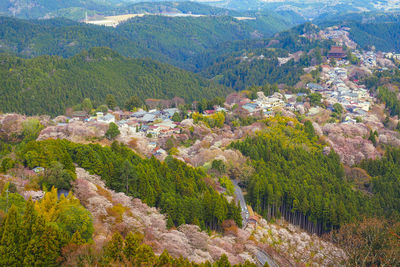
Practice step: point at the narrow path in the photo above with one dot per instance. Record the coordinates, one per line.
(262, 256)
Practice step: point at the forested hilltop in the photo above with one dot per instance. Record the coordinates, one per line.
(49, 84)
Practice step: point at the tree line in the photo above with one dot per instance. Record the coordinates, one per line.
(293, 178)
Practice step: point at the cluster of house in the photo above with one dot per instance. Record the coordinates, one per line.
(391, 55)
(155, 122)
(367, 58)
(339, 89)
(268, 105)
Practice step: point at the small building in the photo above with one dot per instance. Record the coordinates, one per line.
(99, 115)
(169, 112)
(107, 118)
(253, 220)
(80, 115)
(250, 107)
(336, 52)
(38, 169)
(315, 87)
(209, 112)
(139, 114)
(148, 118)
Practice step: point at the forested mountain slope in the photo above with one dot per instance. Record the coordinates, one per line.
(49, 84)
(255, 62)
(63, 37)
(293, 178)
(174, 40)
(180, 191)
(180, 39)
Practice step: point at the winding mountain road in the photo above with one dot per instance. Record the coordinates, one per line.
(262, 256)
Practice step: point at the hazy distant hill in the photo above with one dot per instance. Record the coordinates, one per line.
(49, 84)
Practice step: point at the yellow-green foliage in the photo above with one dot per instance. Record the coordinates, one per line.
(211, 121)
(227, 183)
(117, 212)
(67, 212)
(290, 132)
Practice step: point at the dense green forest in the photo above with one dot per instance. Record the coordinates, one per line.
(65, 38)
(294, 179)
(385, 183)
(183, 38)
(384, 36)
(49, 84)
(180, 191)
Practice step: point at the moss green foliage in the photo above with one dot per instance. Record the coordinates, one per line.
(295, 179)
(178, 190)
(384, 36)
(228, 185)
(215, 120)
(337, 110)
(390, 99)
(385, 183)
(218, 165)
(112, 131)
(47, 85)
(164, 34)
(60, 37)
(56, 176)
(132, 103)
(315, 99)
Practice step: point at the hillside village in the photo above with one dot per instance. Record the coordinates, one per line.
(331, 108)
(339, 87)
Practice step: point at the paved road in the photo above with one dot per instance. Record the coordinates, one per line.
(262, 256)
(243, 206)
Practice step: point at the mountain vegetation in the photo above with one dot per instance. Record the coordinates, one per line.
(58, 232)
(62, 37)
(174, 40)
(50, 84)
(255, 62)
(294, 179)
(183, 193)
